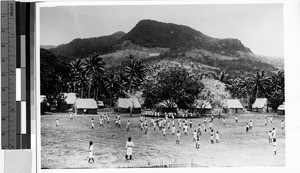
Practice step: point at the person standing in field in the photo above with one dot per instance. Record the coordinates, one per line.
(195, 135)
(282, 124)
(178, 120)
(198, 143)
(274, 146)
(236, 119)
(173, 129)
(178, 137)
(92, 121)
(129, 146)
(247, 127)
(217, 137)
(265, 121)
(270, 136)
(173, 122)
(198, 133)
(169, 124)
(116, 121)
(179, 125)
(146, 129)
(205, 120)
(141, 125)
(119, 122)
(128, 125)
(164, 131)
(212, 118)
(224, 121)
(101, 121)
(250, 125)
(107, 118)
(199, 127)
(91, 148)
(152, 121)
(141, 120)
(274, 133)
(191, 124)
(212, 137)
(210, 125)
(204, 127)
(154, 125)
(185, 129)
(57, 122)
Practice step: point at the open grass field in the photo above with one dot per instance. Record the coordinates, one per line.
(66, 146)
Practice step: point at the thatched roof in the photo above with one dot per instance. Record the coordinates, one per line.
(260, 103)
(232, 103)
(281, 107)
(86, 104)
(70, 98)
(128, 102)
(205, 105)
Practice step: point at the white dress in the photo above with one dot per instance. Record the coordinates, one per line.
(91, 151)
(129, 146)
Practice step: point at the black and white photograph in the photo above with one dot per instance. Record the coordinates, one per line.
(162, 86)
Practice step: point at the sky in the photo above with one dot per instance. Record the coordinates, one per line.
(258, 26)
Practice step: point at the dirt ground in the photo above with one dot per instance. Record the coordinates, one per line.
(66, 146)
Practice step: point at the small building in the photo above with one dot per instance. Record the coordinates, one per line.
(100, 104)
(124, 105)
(70, 99)
(260, 105)
(204, 106)
(281, 109)
(87, 106)
(164, 108)
(233, 106)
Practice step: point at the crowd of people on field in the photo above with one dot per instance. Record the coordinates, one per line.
(168, 122)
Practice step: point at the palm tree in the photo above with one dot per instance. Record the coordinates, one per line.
(93, 66)
(135, 73)
(76, 70)
(113, 86)
(258, 83)
(98, 84)
(278, 80)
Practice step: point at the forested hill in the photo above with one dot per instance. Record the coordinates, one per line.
(152, 41)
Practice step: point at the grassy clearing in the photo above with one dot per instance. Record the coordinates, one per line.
(66, 146)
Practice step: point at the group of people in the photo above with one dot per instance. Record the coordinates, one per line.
(168, 122)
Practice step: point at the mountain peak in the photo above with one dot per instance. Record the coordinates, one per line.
(151, 33)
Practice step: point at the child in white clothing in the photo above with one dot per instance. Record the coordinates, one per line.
(177, 137)
(92, 121)
(91, 148)
(217, 137)
(164, 131)
(57, 122)
(195, 135)
(173, 129)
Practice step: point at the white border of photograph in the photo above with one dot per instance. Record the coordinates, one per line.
(292, 68)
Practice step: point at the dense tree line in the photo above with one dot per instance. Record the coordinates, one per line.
(91, 78)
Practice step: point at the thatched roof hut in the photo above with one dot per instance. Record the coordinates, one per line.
(232, 106)
(260, 105)
(87, 106)
(124, 105)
